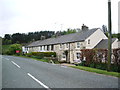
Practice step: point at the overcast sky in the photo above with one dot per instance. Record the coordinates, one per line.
(35, 15)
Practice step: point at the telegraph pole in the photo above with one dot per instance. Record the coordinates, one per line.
(109, 35)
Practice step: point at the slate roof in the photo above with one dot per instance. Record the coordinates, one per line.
(104, 43)
(79, 36)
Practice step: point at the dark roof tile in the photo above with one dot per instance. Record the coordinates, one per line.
(79, 36)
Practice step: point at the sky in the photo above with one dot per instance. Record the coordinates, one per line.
(23, 16)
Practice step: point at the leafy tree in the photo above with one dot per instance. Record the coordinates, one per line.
(13, 48)
(116, 36)
(7, 36)
(6, 41)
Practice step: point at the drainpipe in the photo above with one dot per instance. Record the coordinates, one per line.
(69, 52)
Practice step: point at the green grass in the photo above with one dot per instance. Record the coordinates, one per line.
(116, 74)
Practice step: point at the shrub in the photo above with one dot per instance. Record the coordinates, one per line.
(41, 55)
(83, 63)
(92, 65)
(115, 68)
(11, 49)
(28, 54)
(97, 58)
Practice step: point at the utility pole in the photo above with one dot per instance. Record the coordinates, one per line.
(109, 35)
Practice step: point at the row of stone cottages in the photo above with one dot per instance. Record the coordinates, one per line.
(85, 39)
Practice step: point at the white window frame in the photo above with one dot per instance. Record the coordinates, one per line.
(61, 46)
(88, 41)
(67, 45)
(52, 47)
(78, 53)
(48, 48)
(63, 56)
(40, 48)
(77, 45)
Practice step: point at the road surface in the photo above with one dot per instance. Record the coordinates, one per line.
(18, 72)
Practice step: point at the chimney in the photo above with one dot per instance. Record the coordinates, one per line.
(58, 33)
(42, 37)
(84, 27)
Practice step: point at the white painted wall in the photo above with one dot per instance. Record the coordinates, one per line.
(118, 44)
(115, 44)
(95, 38)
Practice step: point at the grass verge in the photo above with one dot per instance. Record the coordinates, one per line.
(116, 74)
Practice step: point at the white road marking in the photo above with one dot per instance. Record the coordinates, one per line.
(15, 64)
(38, 81)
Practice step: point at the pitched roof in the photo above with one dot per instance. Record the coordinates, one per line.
(104, 43)
(79, 36)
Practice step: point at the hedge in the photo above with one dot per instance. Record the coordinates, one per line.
(41, 55)
(97, 58)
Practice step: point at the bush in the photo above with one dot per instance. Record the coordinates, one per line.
(41, 55)
(83, 63)
(45, 54)
(11, 49)
(115, 68)
(92, 65)
(97, 58)
(102, 66)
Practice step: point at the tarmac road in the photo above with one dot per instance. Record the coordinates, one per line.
(18, 72)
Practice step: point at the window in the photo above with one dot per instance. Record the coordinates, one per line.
(40, 48)
(88, 41)
(44, 48)
(78, 44)
(47, 47)
(52, 47)
(67, 45)
(60, 46)
(64, 56)
(26, 49)
(78, 55)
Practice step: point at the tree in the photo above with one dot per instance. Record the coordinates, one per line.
(116, 36)
(13, 48)
(7, 36)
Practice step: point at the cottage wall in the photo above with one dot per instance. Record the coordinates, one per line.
(94, 39)
(115, 44)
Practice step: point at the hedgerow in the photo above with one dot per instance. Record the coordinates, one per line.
(97, 58)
